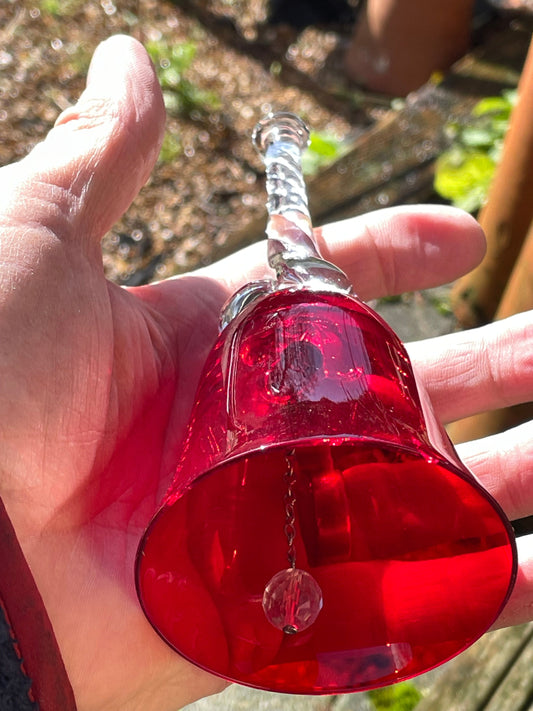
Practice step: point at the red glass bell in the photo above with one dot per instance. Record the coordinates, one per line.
(321, 534)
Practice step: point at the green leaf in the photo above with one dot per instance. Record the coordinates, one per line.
(324, 144)
(181, 95)
(172, 103)
(177, 57)
(493, 105)
(170, 149)
(169, 78)
(511, 95)
(463, 174)
(475, 137)
(322, 150)
(464, 177)
(60, 8)
(183, 54)
(400, 697)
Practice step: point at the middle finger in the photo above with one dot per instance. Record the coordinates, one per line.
(483, 369)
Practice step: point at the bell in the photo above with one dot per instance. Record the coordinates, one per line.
(321, 534)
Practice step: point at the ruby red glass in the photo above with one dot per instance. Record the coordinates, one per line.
(411, 557)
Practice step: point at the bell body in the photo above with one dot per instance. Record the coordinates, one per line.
(413, 558)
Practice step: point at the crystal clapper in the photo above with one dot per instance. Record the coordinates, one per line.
(292, 600)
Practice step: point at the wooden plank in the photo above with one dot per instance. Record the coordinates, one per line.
(470, 681)
(399, 144)
(516, 691)
(415, 186)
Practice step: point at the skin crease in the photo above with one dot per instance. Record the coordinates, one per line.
(97, 381)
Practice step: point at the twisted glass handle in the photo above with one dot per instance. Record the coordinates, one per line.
(281, 139)
(293, 254)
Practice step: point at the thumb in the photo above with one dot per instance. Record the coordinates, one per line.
(85, 174)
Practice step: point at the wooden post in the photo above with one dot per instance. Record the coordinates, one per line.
(506, 216)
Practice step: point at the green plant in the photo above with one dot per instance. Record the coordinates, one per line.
(463, 173)
(322, 150)
(180, 94)
(399, 697)
(60, 8)
(171, 148)
(441, 304)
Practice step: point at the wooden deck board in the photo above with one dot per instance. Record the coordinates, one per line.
(489, 676)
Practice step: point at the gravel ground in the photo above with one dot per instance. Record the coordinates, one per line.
(223, 68)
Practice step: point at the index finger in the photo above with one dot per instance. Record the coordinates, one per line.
(386, 252)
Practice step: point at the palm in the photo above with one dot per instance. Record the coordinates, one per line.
(106, 367)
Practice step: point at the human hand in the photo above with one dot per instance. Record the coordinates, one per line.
(98, 381)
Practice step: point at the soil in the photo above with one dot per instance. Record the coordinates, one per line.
(210, 179)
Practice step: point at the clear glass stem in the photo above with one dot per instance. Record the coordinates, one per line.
(293, 253)
(281, 139)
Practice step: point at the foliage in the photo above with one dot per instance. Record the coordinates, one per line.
(442, 305)
(463, 173)
(60, 8)
(399, 697)
(171, 148)
(322, 150)
(181, 96)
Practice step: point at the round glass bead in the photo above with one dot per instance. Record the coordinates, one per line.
(292, 600)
